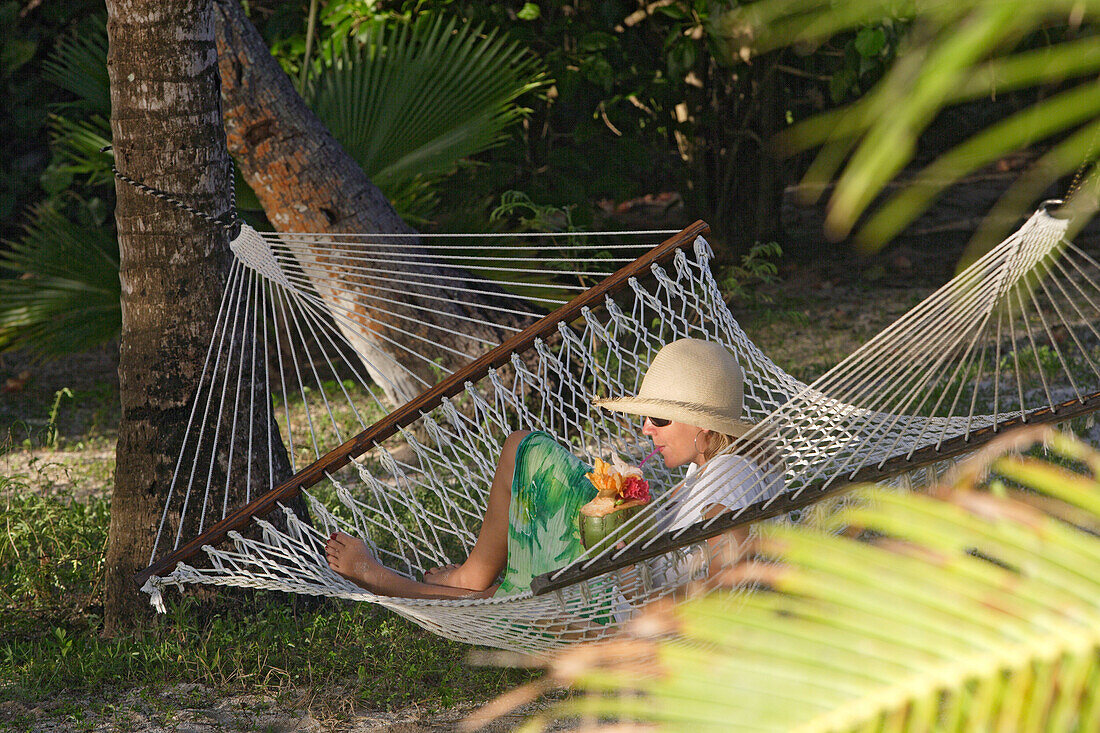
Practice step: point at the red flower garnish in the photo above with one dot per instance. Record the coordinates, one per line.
(618, 486)
(636, 489)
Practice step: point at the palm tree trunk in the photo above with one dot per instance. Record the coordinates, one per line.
(167, 129)
(308, 183)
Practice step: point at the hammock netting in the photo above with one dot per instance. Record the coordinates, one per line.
(313, 329)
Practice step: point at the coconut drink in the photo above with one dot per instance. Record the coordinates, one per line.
(620, 492)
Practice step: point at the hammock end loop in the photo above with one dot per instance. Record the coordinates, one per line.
(156, 599)
(254, 252)
(1057, 213)
(703, 249)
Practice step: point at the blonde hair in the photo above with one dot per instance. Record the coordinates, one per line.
(716, 443)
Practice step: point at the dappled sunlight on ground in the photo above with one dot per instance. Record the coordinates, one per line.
(76, 473)
(201, 709)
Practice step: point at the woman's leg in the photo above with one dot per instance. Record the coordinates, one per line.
(351, 558)
(490, 552)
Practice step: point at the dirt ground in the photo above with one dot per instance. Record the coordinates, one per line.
(190, 708)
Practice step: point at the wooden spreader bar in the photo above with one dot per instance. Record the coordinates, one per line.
(581, 570)
(429, 400)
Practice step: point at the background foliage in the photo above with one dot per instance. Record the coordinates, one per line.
(952, 53)
(410, 102)
(27, 35)
(59, 290)
(607, 101)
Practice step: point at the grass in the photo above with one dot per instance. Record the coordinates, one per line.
(51, 563)
(56, 470)
(806, 325)
(67, 403)
(326, 409)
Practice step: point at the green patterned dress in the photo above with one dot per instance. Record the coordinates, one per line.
(548, 489)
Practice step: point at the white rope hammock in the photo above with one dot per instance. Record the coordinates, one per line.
(296, 354)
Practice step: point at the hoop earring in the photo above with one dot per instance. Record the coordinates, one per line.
(695, 442)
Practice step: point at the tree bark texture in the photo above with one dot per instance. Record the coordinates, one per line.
(167, 130)
(306, 182)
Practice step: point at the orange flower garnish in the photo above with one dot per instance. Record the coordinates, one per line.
(618, 486)
(606, 479)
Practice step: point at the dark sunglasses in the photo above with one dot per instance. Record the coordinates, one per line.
(659, 422)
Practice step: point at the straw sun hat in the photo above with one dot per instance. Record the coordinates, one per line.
(690, 381)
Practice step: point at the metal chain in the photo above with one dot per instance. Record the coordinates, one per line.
(231, 227)
(1078, 177)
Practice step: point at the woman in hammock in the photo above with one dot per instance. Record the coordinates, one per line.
(691, 399)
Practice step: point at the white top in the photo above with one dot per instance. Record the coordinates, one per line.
(730, 480)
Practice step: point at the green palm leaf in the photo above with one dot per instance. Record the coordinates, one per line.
(953, 52)
(60, 291)
(64, 297)
(78, 64)
(78, 145)
(412, 101)
(967, 610)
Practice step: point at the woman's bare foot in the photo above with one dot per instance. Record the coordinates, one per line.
(460, 575)
(439, 575)
(351, 558)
